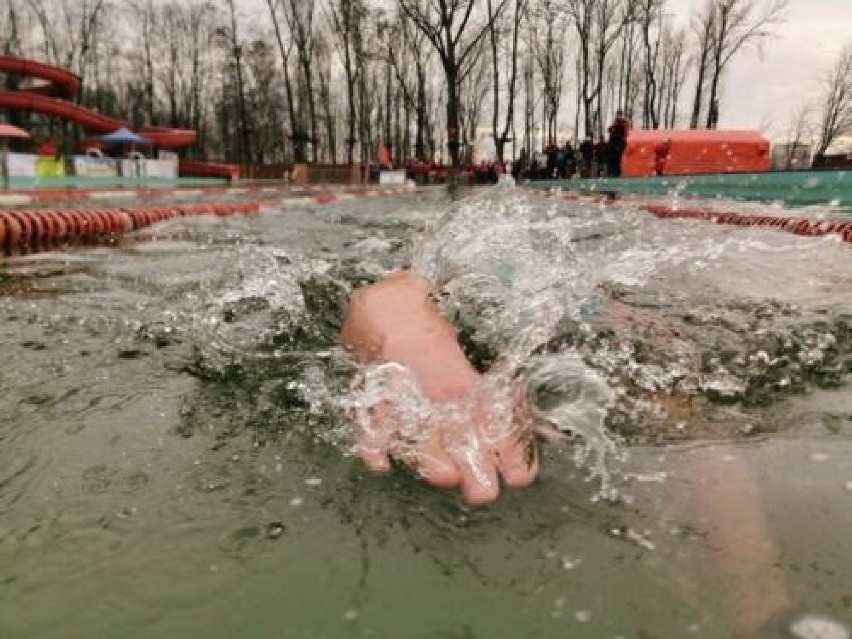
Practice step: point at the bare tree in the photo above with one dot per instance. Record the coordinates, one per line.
(836, 103)
(236, 49)
(300, 15)
(474, 90)
(323, 64)
(799, 135)
(675, 67)
(346, 17)
(10, 28)
(285, 49)
(68, 29)
(550, 21)
(725, 28)
(500, 133)
(650, 16)
(410, 60)
(448, 25)
(598, 24)
(704, 27)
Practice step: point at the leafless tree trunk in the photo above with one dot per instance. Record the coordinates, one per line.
(286, 51)
(476, 87)
(447, 25)
(498, 133)
(300, 19)
(550, 21)
(800, 130)
(650, 15)
(704, 27)
(836, 103)
(243, 151)
(738, 23)
(10, 36)
(323, 61)
(530, 82)
(346, 17)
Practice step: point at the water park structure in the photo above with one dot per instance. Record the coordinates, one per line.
(53, 92)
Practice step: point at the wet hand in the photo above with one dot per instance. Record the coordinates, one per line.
(459, 445)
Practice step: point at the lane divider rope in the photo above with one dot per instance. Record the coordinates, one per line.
(796, 225)
(46, 228)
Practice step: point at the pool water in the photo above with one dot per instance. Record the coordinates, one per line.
(173, 462)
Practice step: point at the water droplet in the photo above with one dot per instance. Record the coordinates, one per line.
(583, 616)
(813, 627)
(820, 457)
(351, 615)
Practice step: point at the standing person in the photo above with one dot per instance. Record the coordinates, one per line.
(617, 143)
(587, 154)
(662, 153)
(599, 161)
(569, 165)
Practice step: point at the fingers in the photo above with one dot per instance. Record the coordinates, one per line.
(437, 466)
(476, 465)
(373, 432)
(455, 454)
(518, 461)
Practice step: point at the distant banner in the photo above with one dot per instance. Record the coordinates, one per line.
(21, 165)
(49, 167)
(392, 177)
(95, 167)
(167, 169)
(141, 169)
(132, 168)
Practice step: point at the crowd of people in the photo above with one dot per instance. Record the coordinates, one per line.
(588, 159)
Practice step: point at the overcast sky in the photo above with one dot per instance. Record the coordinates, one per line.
(765, 89)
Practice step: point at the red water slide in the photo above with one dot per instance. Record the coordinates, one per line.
(53, 98)
(66, 84)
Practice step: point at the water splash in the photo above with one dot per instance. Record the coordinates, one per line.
(509, 269)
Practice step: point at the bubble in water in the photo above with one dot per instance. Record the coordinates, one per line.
(814, 627)
(583, 616)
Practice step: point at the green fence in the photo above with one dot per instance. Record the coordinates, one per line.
(797, 188)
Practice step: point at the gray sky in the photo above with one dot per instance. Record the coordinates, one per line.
(765, 89)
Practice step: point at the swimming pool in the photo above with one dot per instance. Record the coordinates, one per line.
(170, 467)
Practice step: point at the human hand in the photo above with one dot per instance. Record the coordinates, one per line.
(471, 437)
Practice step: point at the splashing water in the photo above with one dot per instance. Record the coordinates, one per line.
(508, 269)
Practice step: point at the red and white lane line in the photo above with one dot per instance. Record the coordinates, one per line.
(26, 198)
(34, 229)
(788, 223)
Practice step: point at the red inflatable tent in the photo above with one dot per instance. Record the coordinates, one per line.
(695, 151)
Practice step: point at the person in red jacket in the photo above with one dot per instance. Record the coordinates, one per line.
(617, 143)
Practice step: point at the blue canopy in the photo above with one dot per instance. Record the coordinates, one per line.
(123, 136)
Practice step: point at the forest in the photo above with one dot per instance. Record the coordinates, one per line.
(275, 81)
